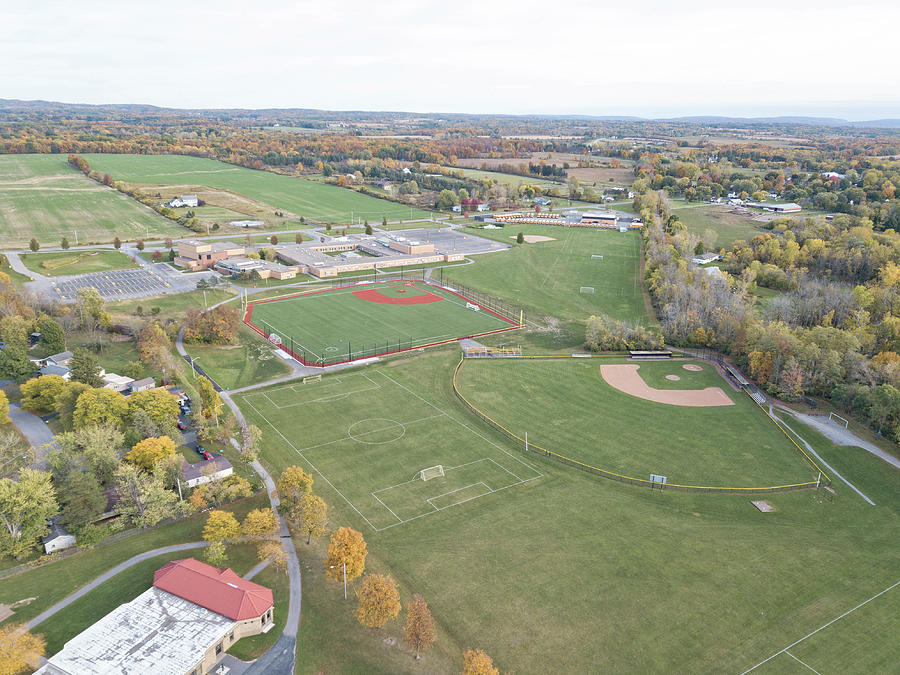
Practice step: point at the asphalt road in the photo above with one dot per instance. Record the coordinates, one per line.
(35, 430)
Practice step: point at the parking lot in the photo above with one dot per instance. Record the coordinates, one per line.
(123, 284)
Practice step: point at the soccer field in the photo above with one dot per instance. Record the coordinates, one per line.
(568, 407)
(355, 322)
(376, 436)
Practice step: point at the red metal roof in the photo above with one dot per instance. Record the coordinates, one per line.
(220, 591)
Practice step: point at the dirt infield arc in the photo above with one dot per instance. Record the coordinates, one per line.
(374, 318)
(625, 378)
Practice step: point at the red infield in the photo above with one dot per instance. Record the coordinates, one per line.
(373, 295)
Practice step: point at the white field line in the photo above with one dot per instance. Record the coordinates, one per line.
(272, 330)
(322, 399)
(324, 477)
(350, 438)
(416, 480)
(803, 662)
(823, 627)
(465, 426)
(387, 507)
(489, 490)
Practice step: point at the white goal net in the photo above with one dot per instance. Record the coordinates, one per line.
(837, 419)
(431, 472)
(274, 339)
(586, 289)
(312, 378)
(473, 306)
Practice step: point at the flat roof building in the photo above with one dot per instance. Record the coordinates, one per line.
(181, 626)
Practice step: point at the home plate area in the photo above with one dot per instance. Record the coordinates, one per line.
(376, 436)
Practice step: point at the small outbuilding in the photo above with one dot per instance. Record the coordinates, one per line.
(57, 539)
(142, 384)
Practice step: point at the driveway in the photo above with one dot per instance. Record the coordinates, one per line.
(35, 430)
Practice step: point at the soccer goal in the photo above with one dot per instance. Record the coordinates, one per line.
(473, 306)
(274, 339)
(432, 472)
(586, 289)
(596, 257)
(312, 378)
(837, 419)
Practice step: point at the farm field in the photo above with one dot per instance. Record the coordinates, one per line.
(568, 407)
(76, 262)
(547, 277)
(597, 175)
(728, 226)
(361, 321)
(300, 197)
(568, 558)
(507, 178)
(42, 196)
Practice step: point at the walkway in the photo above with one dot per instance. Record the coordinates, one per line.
(34, 429)
(16, 263)
(842, 436)
(106, 576)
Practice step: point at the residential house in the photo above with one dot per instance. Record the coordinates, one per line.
(119, 383)
(142, 384)
(206, 471)
(62, 371)
(61, 359)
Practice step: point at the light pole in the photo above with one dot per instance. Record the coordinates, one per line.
(216, 413)
(193, 369)
(331, 567)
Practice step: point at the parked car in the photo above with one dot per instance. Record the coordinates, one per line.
(200, 450)
(207, 455)
(181, 425)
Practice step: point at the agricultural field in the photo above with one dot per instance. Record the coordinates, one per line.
(728, 226)
(599, 176)
(332, 326)
(546, 278)
(640, 580)
(507, 178)
(295, 195)
(76, 262)
(569, 407)
(42, 196)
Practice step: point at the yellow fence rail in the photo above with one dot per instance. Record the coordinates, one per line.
(537, 449)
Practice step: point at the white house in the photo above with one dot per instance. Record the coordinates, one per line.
(57, 539)
(116, 382)
(184, 200)
(143, 384)
(208, 470)
(705, 258)
(457, 208)
(483, 207)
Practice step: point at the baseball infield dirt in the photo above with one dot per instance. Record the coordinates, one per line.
(625, 377)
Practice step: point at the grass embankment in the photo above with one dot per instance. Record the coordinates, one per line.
(250, 361)
(638, 580)
(76, 262)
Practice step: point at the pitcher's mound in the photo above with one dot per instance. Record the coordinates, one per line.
(535, 238)
(674, 378)
(693, 367)
(625, 378)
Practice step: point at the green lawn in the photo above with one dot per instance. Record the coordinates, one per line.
(170, 306)
(42, 196)
(50, 583)
(698, 218)
(566, 406)
(336, 325)
(547, 277)
(639, 581)
(301, 197)
(421, 225)
(17, 279)
(508, 178)
(249, 362)
(76, 262)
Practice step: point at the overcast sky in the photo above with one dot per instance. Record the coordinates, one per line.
(650, 58)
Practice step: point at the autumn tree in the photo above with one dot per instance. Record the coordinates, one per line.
(26, 505)
(34, 245)
(347, 547)
(53, 338)
(143, 497)
(153, 345)
(20, 650)
(158, 404)
(39, 394)
(151, 451)
(216, 554)
(97, 449)
(64, 244)
(90, 309)
(313, 516)
(4, 408)
(293, 483)
(97, 406)
(218, 325)
(15, 365)
(259, 523)
(84, 367)
(272, 549)
(379, 600)
(14, 331)
(221, 526)
(117, 243)
(477, 662)
(209, 398)
(82, 500)
(66, 401)
(420, 633)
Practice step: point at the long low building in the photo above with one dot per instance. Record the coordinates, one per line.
(182, 625)
(790, 207)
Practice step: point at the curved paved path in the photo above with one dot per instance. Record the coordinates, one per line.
(106, 576)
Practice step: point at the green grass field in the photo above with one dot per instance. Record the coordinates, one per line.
(339, 325)
(301, 197)
(566, 406)
(76, 262)
(249, 362)
(547, 277)
(42, 196)
(569, 572)
(698, 218)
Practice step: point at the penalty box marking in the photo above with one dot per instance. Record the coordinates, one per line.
(533, 470)
(321, 399)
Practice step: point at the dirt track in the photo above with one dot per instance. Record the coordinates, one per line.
(625, 378)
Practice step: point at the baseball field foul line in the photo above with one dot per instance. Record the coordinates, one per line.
(823, 627)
